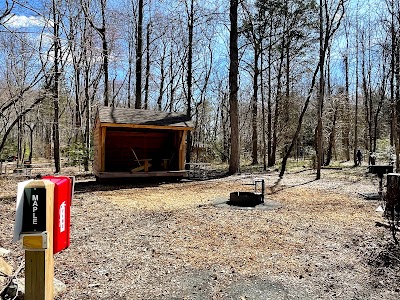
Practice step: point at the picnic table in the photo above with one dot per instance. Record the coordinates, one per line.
(380, 170)
(25, 168)
(198, 170)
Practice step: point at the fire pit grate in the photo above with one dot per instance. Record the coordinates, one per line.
(249, 200)
(246, 199)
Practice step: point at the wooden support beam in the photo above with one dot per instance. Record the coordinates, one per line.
(182, 150)
(39, 263)
(103, 148)
(39, 275)
(138, 126)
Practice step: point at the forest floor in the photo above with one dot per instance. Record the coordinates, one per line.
(160, 240)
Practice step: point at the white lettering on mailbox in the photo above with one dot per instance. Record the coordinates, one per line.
(62, 217)
(35, 205)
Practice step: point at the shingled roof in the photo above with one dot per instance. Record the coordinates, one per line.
(118, 115)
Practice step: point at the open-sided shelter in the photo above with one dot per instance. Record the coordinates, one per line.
(139, 143)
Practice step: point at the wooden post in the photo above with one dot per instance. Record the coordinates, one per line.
(39, 260)
(103, 149)
(182, 150)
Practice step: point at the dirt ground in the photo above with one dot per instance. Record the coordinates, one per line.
(165, 240)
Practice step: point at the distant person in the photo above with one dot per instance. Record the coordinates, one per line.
(359, 157)
(372, 158)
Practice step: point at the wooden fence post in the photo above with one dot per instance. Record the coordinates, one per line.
(39, 259)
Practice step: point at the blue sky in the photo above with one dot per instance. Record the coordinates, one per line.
(32, 21)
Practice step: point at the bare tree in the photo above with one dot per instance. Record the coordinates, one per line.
(394, 12)
(56, 95)
(252, 31)
(162, 78)
(148, 65)
(356, 96)
(101, 30)
(346, 105)
(75, 48)
(234, 161)
(6, 11)
(139, 54)
(329, 25)
(190, 14)
(321, 91)
(335, 102)
(20, 91)
(131, 42)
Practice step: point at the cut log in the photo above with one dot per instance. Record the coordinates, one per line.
(393, 196)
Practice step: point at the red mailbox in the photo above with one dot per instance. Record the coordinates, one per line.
(62, 211)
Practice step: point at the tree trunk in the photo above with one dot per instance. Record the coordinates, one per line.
(277, 103)
(264, 141)
(234, 162)
(356, 106)
(147, 80)
(19, 141)
(31, 142)
(225, 133)
(86, 83)
(105, 53)
(397, 94)
(190, 76)
(269, 103)
(162, 80)
(57, 48)
(130, 63)
(346, 110)
(394, 122)
(86, 154)
(172, 80)
(254, 139)
(287, 88)
(321, 92)
(366, 96)
(382, 97)
(138, 90)
(78, 120)
(331, 143)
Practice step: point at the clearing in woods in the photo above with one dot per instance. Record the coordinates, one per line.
(169, 240)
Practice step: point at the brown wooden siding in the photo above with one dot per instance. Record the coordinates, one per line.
(114, 142)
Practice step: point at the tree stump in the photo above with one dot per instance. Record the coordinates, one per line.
(392, 209)
(393, 193)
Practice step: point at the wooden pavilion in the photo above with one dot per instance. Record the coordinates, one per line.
(139, 143)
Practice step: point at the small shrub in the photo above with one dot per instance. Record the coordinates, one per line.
(75, 154)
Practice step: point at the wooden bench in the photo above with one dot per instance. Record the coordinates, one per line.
(142, 167)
